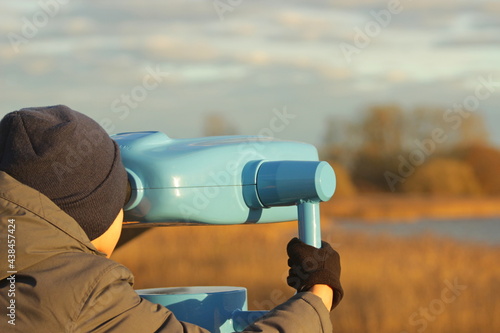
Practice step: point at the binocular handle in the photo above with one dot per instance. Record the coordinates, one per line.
(309, 223)
(301, 183)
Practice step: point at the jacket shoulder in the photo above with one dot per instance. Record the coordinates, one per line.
(110, 304)
(41, 229)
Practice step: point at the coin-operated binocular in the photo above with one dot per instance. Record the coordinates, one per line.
(221, 180)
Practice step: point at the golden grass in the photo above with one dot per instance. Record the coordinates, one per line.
(400, 208)
(391, 284)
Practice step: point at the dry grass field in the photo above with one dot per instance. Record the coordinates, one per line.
(422, 284)
(399, 208)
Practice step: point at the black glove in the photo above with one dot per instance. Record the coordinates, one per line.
(310, 266)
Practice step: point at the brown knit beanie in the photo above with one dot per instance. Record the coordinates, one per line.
(69, 158)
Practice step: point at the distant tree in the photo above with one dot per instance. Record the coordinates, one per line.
(473, 131)
(368, 173)
(382, 133)
(420, 125)
(387, 143)
(382, 130)
(345, 186)
(485, 161)
(443, 176)
(216, 124)
(341, 142)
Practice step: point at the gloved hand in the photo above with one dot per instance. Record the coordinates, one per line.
(310, 266)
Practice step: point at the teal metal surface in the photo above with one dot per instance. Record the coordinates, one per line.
(221, 180)
(209, 307)
(214, 180)
(309, 223)
(285, 183)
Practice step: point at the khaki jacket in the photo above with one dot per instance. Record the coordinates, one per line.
(52, 279)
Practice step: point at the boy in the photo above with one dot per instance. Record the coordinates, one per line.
(62, 189)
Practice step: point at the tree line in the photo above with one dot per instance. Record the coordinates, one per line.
(424, 150)
(389, 149)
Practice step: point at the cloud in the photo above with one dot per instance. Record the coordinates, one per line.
(263, 55)
(474, 40)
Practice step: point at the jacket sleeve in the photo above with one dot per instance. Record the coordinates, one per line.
(303, 313)
(113, 306)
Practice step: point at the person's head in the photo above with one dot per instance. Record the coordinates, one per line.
(68, 157)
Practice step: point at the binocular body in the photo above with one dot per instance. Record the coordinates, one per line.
(221, 180)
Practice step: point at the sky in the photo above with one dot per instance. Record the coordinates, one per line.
(280, 68)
